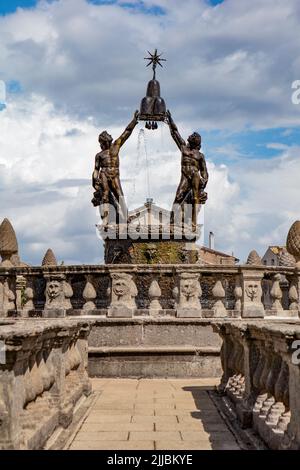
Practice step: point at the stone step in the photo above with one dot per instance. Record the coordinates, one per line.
(155, 361)
(188, 349)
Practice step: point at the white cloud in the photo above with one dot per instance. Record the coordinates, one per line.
(227, 66)
(81, 68)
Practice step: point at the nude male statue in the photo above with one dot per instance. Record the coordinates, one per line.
(194, 175)
(106, 175)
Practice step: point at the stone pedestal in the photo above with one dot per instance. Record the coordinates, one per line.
(149, 238)
(252, 306)
(188, 313)
(187, 295)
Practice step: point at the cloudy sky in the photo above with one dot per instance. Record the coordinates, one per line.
(75, 67)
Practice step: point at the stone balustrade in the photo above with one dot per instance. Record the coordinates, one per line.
(43, 375)
(187, 290)
(261, 377)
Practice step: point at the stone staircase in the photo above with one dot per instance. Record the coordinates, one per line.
(154, 347)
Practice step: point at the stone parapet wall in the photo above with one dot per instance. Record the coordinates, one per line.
(157, 290)
(43, 376)
(261, 377)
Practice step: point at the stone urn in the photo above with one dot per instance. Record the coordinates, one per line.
(293, 242)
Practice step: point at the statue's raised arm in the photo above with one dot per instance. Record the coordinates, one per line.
(128, 131)
(174, 132)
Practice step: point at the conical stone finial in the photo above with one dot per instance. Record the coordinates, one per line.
(8, 239)
(254, 259)
(286, 259)
(293, 241)
(8, 242)
(49, 259)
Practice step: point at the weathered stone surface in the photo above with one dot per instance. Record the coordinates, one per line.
(218, 292)
(254, 259)
(154, 296)
(139, 280)
(286, 259)
(153, 332)
(261, 377)
(7, 297)
(157, 346)
(8, 245)
(8, 239)
(49, 258)
(187, 295)
(58, 293)
(276, 295)
(123, 292)
(89, 294)
(155, 364)
(293, 241)
(188, 429)
(42, 379)
(252, 306)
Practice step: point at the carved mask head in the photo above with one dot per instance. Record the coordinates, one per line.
(151, 252)
(188, 287)
(252, 290)
(121, 287)
(54, 289)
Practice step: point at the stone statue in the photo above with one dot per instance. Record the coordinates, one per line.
(194, 175)
(106, 175)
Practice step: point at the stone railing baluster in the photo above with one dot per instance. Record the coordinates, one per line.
(270, 401)
(218, 293)
(37, 397)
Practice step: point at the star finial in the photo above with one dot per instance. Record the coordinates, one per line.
(154, 59)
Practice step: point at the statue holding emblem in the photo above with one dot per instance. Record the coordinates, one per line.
(194, 175)
(106, 175)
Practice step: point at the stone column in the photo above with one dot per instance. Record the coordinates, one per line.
(154, 296)
(58, 391)
(82, 345)
(11, 396)
(29, 305)
(238, 294)
(20, 293)
(7, 298)
(218, 292)
(1, 297)
(276, 296)
(252, 306)
(294, 293)
(292, 438)
(89, 295)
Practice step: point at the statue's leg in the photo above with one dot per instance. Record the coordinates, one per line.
(104, 207)
(177, 209)
(196, 187)
(118, 194)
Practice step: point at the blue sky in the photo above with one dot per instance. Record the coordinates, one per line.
(68, 75)
(10, 6)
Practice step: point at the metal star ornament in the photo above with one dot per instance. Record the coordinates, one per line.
(154, 59)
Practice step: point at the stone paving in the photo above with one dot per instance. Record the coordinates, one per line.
(160, 414)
